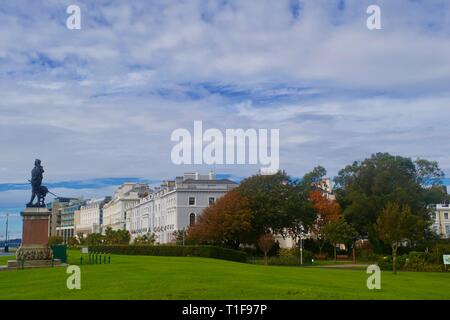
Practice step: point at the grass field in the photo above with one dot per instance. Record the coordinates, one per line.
(146, 277)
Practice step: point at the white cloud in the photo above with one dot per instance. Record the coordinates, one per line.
(102, 101)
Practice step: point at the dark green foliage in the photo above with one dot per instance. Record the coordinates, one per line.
(313, 246)
(93, 239)
(414, 261)
(278, 204)
(55, 240)
(288, 260)
(175, 251)
(365, 188)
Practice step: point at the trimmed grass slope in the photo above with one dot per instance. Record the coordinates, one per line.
(149, 277)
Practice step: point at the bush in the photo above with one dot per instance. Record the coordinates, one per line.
(55, 240)
(420, 261)
(175, 251)
(413, 261)
(287, 257)
(73, 242)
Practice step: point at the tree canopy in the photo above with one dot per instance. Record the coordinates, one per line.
(365, 188)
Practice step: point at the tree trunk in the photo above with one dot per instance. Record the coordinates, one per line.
(265, 258)
(321, 244)
(335, 253)
(394, 257)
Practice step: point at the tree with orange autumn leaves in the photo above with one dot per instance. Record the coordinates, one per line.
(227, 222)
(327, 211)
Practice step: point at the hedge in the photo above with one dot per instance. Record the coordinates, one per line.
(414, 261)
(175, 251)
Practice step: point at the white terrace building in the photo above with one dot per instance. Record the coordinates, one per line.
(441, 222)
(91, 216)
(175, 205)
(126, 197)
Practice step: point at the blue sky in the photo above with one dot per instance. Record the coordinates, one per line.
(99, 104)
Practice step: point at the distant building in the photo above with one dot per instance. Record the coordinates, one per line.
(55, 209)
(67, 213)
(175, 205)
(91, 216)
(126, 197)
(326, 186)
(441, 222)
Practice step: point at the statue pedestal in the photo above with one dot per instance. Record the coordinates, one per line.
(34, 251)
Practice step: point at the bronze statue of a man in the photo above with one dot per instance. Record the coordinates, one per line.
(36, 182)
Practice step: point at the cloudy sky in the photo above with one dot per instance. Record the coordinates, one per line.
(98, 105)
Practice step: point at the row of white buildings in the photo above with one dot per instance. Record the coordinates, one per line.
(173, 206)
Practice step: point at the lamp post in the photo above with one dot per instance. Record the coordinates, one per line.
(301, 250)
(6, 234)
(354, 250)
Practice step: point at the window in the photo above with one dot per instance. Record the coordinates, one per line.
(447, 229)
(433, 216)
(192, 219)
(212, 200)
(192, 201)
(446, 215)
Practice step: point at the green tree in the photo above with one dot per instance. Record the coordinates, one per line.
(94, 239)
(339, 231)
(267, 201)
(397, 223)
(148, 238)
(364, 188)
(278, 204)
(180, 237)
(116, 236)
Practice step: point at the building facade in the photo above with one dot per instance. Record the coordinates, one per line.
(55, 210)
(126, 197)
(441, 220)
(91, 217)
(66, 229)
(175, 205)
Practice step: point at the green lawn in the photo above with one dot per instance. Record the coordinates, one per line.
(145, 277)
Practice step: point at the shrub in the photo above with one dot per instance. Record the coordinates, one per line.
(287, 252)
(55, 240)
(72, 242)
(175, 251)
(288, 257)
(413, 261)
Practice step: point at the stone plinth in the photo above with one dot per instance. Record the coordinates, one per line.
(34, 250)
(35, 227)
